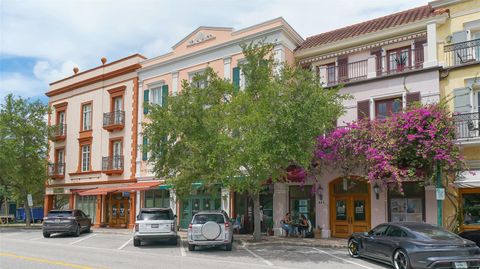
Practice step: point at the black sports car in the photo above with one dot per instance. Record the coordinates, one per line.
(408, 245)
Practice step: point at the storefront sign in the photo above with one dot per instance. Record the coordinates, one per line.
(440, 194)
(58, 190)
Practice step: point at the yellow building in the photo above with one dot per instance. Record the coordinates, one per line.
(458, 40)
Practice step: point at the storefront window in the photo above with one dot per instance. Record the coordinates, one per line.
(302, 202)
(408, 206)
(157, 198)
(471, 209)
(87, 205)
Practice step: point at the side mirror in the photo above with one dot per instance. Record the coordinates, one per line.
(175, 216)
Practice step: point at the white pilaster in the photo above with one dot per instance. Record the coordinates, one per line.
(138, 202)
(138, 161)
(226, 201)
(175, 83)
(431, 59)
(372, 109)
(227, 69)
(173, 201)
(278, 58)
(372, 66)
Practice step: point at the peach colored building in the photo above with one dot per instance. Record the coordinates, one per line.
(92, 153)
(218, 48)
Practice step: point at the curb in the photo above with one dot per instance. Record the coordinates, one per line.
(313, 244)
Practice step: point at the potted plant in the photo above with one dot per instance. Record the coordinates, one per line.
(317, 233)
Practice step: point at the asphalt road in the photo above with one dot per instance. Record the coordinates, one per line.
(28, 249)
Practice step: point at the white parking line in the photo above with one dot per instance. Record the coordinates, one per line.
(244, 246)
(85, 238)
(126, 243)
(35, 239)
(182, 248)
(342, 259)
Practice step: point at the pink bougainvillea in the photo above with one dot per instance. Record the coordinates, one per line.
(406, 146)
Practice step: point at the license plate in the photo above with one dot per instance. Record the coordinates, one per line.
(154, 226)
(57, 221)
(460, 265)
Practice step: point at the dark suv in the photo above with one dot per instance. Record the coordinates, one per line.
(71, 221)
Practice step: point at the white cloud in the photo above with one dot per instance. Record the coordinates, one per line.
(20, 85)
(61, 34)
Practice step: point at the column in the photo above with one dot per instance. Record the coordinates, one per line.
(227, 69)
(71, 201)
(138, 161)
(278, 57)
(431, 59)
(133, 214)
(371, 66)
(173, 200)
(175, 83)
(138, 202)
(98, 212)
(47, 204)
(226, 200)
(280, 206)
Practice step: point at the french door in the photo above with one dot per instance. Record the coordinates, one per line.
(350, 215)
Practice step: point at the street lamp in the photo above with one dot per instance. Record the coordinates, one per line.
(376, 190)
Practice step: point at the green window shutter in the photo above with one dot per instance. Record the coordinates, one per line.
(236, 79)
(164, 95)
(144, 149)
(145, 101)
(462, 100)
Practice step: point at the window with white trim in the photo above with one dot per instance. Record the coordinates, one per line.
(85, 158)
(87, 117)
(156, 95)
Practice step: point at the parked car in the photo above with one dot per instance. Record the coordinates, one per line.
(472, 236)
(407, 245)
(155, 224)
(210, 228)
(71, 221)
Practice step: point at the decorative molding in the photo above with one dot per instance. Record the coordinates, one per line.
(117, 89)
(200, 37)
(60, 105)
(134, 128)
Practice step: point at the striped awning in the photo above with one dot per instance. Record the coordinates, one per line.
(468, 179)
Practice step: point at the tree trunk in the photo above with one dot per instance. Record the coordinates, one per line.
(256, 217)
(27, 212)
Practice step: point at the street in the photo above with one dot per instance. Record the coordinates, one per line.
(28, 249)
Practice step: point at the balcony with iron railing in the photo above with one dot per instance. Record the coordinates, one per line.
(112, 165)
(56, 170)
(59, 132)
(114, 120)
(467, 126)
(374, 66)
(462, 53)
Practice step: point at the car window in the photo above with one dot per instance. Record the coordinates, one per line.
(155, 215)
(434, 233)
(59, 214)
(203, 218)
(379, 230)
(396, 232)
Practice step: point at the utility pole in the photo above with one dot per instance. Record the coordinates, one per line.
(439, 190)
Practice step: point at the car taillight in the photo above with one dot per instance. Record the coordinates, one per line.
(136, 227)
(227, 225)
(173, 227)
(190, 226)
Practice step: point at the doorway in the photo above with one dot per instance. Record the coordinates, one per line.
(349, 207)
(119, 210)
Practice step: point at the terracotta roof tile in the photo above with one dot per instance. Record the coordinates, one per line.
(392, 20)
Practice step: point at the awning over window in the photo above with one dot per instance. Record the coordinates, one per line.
(139, 186)
(469, 179)
(98, 191)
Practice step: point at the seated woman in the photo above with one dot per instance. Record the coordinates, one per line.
(287, 224)
(237, 225)
(302, 226)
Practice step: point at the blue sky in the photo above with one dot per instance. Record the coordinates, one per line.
(41, 41)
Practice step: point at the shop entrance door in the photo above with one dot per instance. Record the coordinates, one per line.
(118, 211)
(194, 204)
(349, 208)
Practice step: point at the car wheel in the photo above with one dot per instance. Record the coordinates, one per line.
(353, 248)
(228, 247)
(191, 247)
(137, 242)
(77, 231)
(400, 260)
(46, 235)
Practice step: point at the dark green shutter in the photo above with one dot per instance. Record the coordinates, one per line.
(164, 95)
(461, 100)
(236, 79)
(144, 149)
(145, 101)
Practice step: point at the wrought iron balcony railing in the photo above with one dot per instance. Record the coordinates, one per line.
(56, 170)
(59, 131)
(112, 164)
(114, 120)
(467, 125)
(462, 53)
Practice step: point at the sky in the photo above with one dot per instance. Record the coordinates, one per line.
(41, 41)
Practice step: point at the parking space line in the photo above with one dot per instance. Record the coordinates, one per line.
(85, 238)
(126, 243)
(342, 259)
(244, 246)
(182, 248)
(41, 260)
(36, 238)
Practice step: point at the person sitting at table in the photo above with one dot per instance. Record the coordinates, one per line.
(302, 226)
(287, 224)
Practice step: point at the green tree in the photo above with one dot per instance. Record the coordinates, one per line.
(242, 139)
(23, 148)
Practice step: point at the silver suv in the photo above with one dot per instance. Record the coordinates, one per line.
(210, 228)
(155, 224)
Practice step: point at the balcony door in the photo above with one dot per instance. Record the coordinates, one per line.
(117, 108)
(399, 60)
(117, 153)
(60, 161)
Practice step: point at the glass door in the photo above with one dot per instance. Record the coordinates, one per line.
(360, 215)
(117, 108)
(342, 208)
